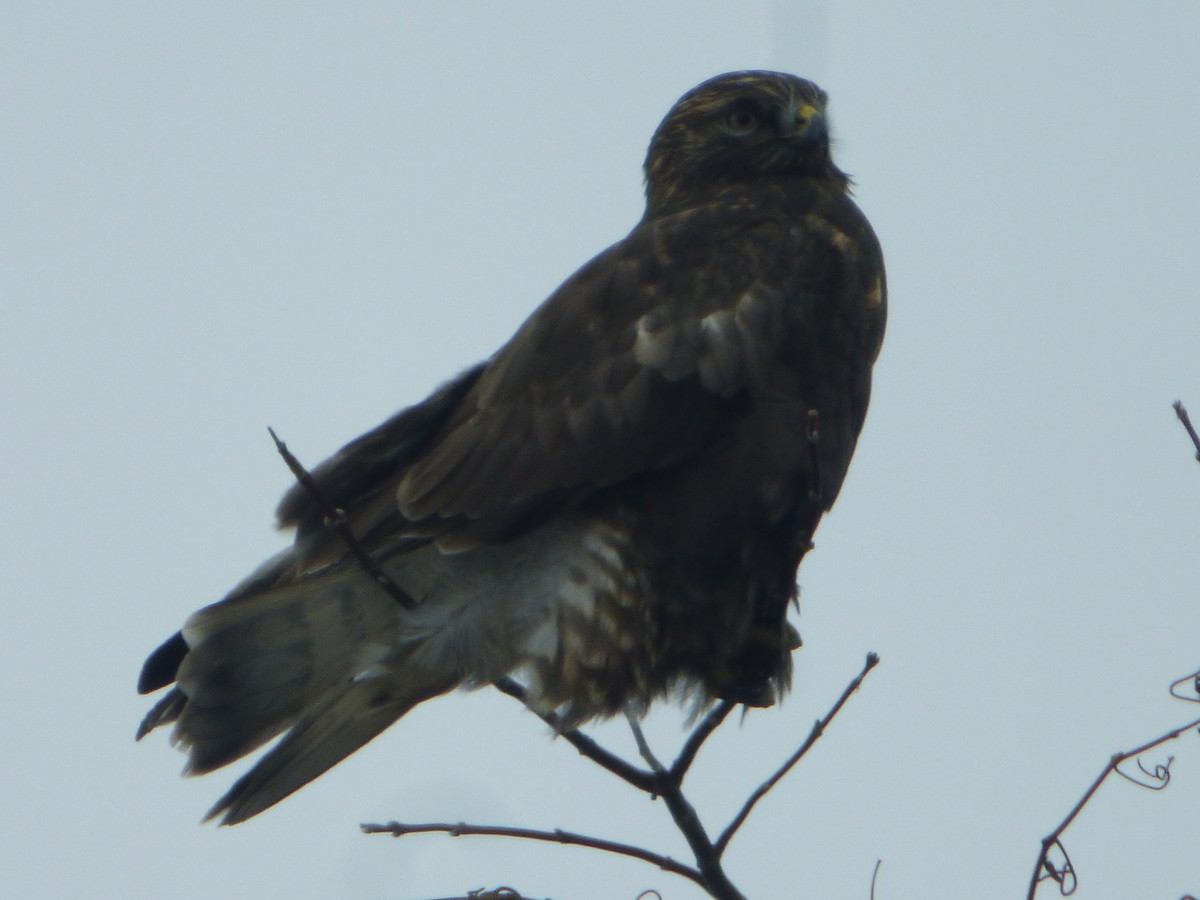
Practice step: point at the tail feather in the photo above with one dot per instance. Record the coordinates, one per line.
(321, 659)
(253, 666)
(163, 664)
(329, 660)
(342, 721)
(164, 712)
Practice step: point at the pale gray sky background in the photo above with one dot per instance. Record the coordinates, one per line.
(221, 216)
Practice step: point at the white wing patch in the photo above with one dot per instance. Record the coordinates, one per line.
(669, 347)
(721, 364)
(714, 347)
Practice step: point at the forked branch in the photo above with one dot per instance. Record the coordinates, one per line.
(641, 779)
(659, 781)
(818, 729)
(1063, 873)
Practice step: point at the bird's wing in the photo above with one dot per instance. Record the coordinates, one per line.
(638, 361)
(360, 478)
(633, 365)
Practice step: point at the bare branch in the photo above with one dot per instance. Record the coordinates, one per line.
(659, 782)
(557, 836)
(817, 730)
(1193, 683)
(500, 893)
(708, 857)
(1061, 873)
(1187, 423)
(587, 747)
(1064, 876)
(1159, 777)
(336, 519)
(710, 723)
(644, 748)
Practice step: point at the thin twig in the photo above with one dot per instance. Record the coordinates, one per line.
(500, 893)
(875, 876)
(659, 782)
(817, 730)
(587, 747)
(1159, 778)
(687, 755)
(1193, 681)
(1187, 423)
(557, 836)
(1065, 876)
(336, 519)
(643, 747)
(708, 858)
(1043, 869)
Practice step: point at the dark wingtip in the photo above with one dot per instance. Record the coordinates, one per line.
(159, 670)
(164, 712)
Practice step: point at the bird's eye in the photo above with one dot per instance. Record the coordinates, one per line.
(741, 121)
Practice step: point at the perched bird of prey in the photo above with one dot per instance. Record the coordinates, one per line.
(612, 507)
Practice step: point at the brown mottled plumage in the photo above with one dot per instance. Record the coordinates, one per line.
(613, 506)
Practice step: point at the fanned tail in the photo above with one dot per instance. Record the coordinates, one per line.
(322, 659)
(342, 721)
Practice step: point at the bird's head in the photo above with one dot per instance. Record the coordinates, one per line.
(735, 128)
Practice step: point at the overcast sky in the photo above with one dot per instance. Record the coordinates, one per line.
(222, 216)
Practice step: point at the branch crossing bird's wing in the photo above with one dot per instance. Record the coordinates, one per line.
(613, 506)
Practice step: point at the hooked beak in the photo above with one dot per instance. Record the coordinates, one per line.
(803, 120)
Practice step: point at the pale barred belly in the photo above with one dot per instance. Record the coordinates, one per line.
(563, 606)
